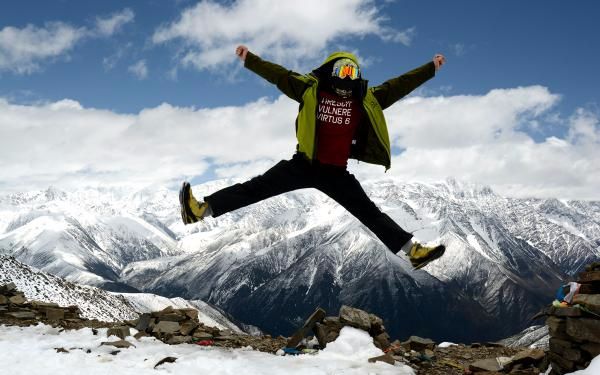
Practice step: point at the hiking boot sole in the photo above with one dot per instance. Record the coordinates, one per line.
(184, 197)
(435, 254)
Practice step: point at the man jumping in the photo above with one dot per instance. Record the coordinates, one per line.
(339, 118)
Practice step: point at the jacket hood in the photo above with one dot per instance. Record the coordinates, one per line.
(340, 55)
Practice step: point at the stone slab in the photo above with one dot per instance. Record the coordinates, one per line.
(593, 288)
(584, 329)
(418, 344)
(591, 301)
(176, 340)
(557, 327)
(188, 327)
(54, 313)
(355, 318)
(3, 300)
(21, 314)
(589, 277)
(488, 364)
(387, 358)
(120, 331)
(19, 299)
(592, 348)
(6, 288)
(564, 311)
(317, 316)
(143, 322)
(166, 327)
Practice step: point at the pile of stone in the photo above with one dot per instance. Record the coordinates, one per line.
(16, 309)
(327, 328)
(575, 330)
(181, 326)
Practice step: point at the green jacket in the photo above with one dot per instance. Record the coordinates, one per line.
(372, 139)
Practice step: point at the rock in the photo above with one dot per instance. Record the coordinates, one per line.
(143, 322)
(165, 360)
(584, 329)
(592, 348)
(225, 338)
(121, 344)
(19, 299)
(591, 301)
(526, 357)
(21, 314)
(355, 318)
(54, 314)
(317, 316)
(489, 364)
(475, 345)
(3, 300)
(558, 362)
(557, 327)
(382, 341)
(589, 277)
(190, 313)
(377, 327)
(139, 335)
(564, 311)
(590, 288)
(61, 350)
(387, 358)
(166, 327)
(39, 305)
(175, 340)
(166, 310)
(559, 346)
(430, 354)
(418, 343)
(188, 327)
(119, 331)
(7, 288)
(173, 317)
(201, 335)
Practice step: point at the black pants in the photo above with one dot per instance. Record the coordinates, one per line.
(298, 173)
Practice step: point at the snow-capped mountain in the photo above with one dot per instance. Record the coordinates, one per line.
(86, 237)
(271, 264)
(96, 303)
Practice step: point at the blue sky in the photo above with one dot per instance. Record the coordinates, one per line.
(191, 65)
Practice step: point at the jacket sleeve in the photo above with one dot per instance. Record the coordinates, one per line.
(395, 89)
(287, 81)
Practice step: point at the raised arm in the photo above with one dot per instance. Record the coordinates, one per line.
(287, 81)
(395, 89)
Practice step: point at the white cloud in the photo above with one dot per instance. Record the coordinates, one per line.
(107, 26)
(139, 69)
(474, 138)
(283, 30)
(22, 50)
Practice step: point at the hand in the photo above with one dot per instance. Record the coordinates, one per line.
(439, 60)
(241, 51)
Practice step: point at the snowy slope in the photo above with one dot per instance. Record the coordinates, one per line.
(96, 303)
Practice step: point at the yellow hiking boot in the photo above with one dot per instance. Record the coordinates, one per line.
(420, 255)
(191, 210)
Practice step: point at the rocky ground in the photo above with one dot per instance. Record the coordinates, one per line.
(178, 326)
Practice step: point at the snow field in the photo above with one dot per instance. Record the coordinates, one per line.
(31, 350)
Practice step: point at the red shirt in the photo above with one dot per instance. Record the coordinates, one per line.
(337, 120)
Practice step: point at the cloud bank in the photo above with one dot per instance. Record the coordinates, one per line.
(287, 31)
(477, 138)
